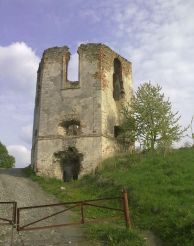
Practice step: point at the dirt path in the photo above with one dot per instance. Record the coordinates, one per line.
(15, 186)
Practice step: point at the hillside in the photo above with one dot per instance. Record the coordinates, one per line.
(160, 191)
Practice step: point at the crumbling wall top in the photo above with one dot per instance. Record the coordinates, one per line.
(83, 48)
(55, 52)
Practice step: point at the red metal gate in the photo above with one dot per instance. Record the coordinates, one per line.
(81, 205)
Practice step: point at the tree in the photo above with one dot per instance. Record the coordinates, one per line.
(155, 123)
(6, 160)
(191, 129)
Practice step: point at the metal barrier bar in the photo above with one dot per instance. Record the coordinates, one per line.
(105, 207)
(49, 216)
(7, 202)
(11, 221)
(69, 224)
(47, 227)
(3, 219)
(14, 212)
(81, 204)
(82, 213)
(18, 219)
(69, 203)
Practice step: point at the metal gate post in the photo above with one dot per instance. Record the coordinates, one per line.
(14, 212)
(82, 213)
(18, 219)
(126, 209)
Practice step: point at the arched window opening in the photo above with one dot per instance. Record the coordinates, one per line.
(118, 89)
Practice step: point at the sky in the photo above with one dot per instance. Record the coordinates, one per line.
(157, 36)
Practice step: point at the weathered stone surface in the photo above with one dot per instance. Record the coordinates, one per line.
(89, 102)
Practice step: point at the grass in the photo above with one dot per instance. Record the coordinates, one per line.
(161, 195)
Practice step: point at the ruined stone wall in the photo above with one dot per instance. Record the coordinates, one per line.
(89, 103)
(111, 108)
(62, 100)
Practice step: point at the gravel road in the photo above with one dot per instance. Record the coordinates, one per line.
(14, 185)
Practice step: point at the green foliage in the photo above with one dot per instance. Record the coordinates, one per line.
(127, 134)
(113, 236)
(29, 172)
(160, 190)
(6, 160)
(149, 118)
(191, 129)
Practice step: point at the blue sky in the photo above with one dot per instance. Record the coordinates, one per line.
(157, 36)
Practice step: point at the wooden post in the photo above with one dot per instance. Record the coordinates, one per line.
(126, 209)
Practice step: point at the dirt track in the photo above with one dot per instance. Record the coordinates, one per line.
(15, 186)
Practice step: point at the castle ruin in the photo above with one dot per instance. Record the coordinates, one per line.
(78, 121)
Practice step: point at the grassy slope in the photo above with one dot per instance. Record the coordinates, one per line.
(161, 195)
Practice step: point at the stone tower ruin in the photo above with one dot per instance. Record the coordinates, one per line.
(76, 122)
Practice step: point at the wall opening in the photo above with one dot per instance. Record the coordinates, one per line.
(117, 131)
(70, 161)
(69, 128)
(73, 69)
(118, 89)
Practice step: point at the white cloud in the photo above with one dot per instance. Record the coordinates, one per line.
(26, 133)
(18, 67)
(157, 36)
(18, 64)
(21, 154)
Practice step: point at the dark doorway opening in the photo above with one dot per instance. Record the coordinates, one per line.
(70, 161)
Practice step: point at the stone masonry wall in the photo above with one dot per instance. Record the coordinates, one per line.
(111, 109)
(88, 101)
